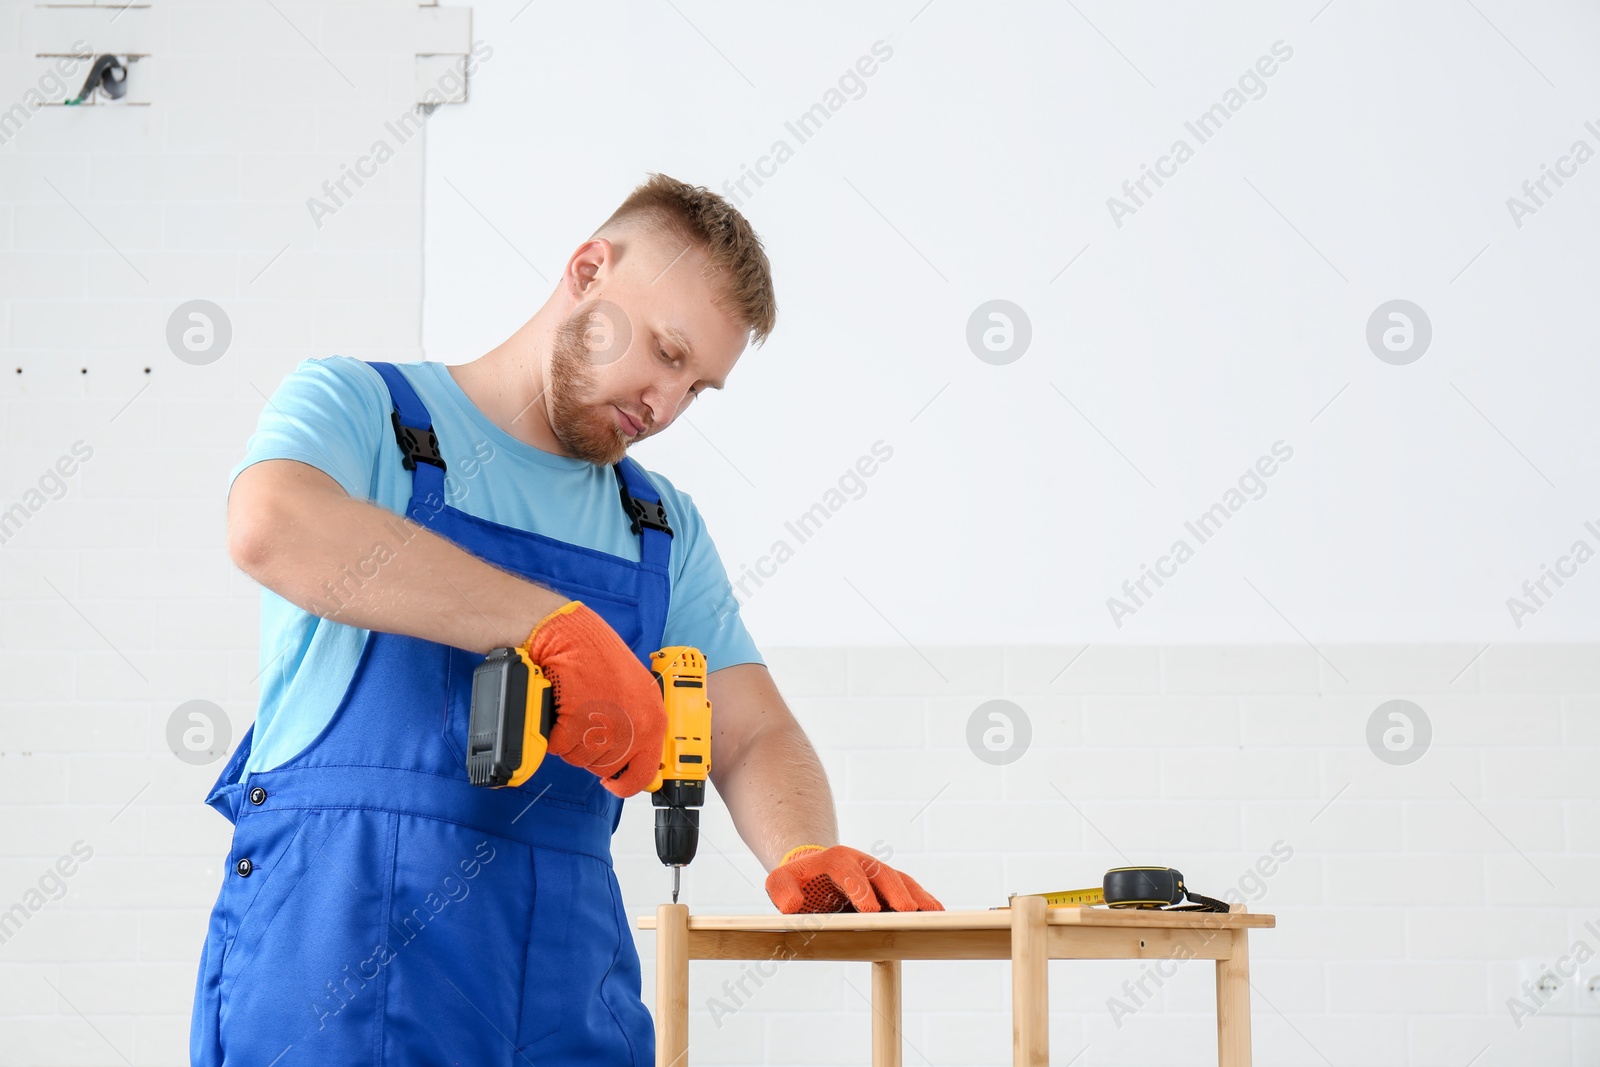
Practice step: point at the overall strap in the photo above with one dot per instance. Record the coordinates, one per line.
(419, 447)
(641, 503)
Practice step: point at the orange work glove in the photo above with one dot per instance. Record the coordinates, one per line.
(610, 717)
(812, 878)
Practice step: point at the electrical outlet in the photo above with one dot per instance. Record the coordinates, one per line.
(1588, 991)
(1546, 990)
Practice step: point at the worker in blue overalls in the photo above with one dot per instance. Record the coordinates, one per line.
(378, 908)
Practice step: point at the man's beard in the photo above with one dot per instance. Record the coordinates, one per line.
(587, 431)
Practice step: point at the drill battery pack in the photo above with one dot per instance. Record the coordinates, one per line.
(513, 711)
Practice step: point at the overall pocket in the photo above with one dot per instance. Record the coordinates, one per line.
(458, 923)
(379, 937)
(310, 886)
(571, 952)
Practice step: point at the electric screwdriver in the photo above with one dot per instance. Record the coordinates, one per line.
(679, 789)
(513, 711)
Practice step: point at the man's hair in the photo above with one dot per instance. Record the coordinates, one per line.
(735, 261)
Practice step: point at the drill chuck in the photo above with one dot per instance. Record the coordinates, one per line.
(677, 805)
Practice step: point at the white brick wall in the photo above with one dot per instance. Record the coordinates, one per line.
(117, 600)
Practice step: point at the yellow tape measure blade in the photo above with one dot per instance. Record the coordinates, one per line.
(1072, 898)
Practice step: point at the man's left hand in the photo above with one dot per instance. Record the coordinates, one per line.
(822, 879)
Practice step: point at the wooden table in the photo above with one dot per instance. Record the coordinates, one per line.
(1029, 934)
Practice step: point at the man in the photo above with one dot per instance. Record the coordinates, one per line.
(376, 906)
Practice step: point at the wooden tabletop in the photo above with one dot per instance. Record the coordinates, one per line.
(974, 920)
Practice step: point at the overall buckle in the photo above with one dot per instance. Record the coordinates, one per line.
(641, 513)
(416, 443)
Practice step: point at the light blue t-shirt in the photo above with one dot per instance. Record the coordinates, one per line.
(333, 414)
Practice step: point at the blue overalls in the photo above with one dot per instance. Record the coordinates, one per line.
(379, 909)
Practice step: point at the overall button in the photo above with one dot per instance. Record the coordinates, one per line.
(244, 867)
(257, 795)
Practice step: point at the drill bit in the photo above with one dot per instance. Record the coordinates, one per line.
(676, 870)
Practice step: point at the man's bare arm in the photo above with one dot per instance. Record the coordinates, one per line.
(764, 767)
(295, 530)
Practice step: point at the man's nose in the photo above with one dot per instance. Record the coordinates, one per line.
(662, 409)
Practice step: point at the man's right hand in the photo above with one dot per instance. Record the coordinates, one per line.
(609, 711)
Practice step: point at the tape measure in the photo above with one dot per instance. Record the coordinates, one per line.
(1134, 887)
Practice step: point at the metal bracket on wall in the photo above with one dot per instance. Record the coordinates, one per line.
(444, 55)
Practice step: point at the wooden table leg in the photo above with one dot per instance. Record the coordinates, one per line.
(886, 1039)
(672, 985)
(1030, 990)
(1233, 1004)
